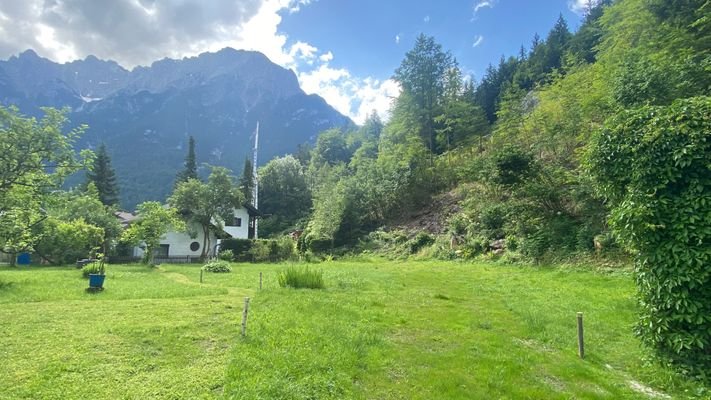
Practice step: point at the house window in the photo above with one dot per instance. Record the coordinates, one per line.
(194, 246)
(162, 250)
(238, 222)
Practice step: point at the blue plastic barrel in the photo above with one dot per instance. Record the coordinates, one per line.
(96, 280)
(23, 259)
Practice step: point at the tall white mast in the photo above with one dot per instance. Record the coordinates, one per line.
(255, 186)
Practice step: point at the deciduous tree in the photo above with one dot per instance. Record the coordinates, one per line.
(207, 204)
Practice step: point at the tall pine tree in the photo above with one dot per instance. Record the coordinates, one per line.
(104, 177)
(423, 75)
(246, 181)
(190, 165)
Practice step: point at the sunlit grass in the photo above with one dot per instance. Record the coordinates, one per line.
(380, 330)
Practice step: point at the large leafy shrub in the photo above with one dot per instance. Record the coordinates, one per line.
(653, 164)
(66, 241)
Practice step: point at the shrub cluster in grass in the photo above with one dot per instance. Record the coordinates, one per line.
(301, 278)
(226, 255)
(260, 250)
(218, 266)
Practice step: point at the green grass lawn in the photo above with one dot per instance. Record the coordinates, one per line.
(380, 330)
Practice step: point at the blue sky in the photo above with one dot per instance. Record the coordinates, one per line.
(344, 50)
(363, 34)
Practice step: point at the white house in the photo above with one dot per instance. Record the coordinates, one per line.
(186, 246)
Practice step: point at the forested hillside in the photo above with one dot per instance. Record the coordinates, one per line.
(589, 140)
(512, 143)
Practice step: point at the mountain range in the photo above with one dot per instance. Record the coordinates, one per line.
(146, 115)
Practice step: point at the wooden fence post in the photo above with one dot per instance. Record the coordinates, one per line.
(581, 341)
(260, 281)
(244, 316)
(201, 271)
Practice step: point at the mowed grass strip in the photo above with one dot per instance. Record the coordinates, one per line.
(433, 330)
(380, 330)
(146, 336)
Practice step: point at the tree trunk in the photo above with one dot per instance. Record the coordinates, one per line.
(205, 241)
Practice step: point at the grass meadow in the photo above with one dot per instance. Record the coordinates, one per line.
(379, 330)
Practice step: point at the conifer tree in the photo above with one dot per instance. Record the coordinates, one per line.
(103, 176)
(246, 181)
(190, 165)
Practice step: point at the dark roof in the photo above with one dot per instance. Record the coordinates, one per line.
(125, 218)
(251, 210)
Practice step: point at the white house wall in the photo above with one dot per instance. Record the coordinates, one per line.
(179, 242)
(239, 232)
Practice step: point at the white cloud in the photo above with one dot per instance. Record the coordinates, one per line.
(483, 4)
(580, 7)
(138, 32)
(326, 57)
(303, 51)
(352, 96)
(478, 40)
(296, 5)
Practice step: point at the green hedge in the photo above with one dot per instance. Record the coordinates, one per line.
(260, 250)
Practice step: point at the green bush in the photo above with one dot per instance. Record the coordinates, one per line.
(301, 278)
(420, 240)
(260, 251)
(239, 247)
(226, 255)
(217, 266)
(652, 165)
(283, 249)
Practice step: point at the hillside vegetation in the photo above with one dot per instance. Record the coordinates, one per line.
(592, 140)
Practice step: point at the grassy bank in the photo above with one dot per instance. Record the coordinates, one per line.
(380, 330)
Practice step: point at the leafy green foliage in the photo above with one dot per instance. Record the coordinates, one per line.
(207, 204)
(154, 221)
(36, 157)
(217, 266)
(421, 240)
(73, 205)
(260, 250)
(284, 195)
(64, 242)
(93, 268)
(652, 164)
(301, 278)
(226, 255)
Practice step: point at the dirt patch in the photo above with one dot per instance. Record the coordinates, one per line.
(433, 217)
(646, 390)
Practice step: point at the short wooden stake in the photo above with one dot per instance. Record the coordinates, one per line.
(581, 341)
(201, 275)
(260, 281)
(244, 316)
